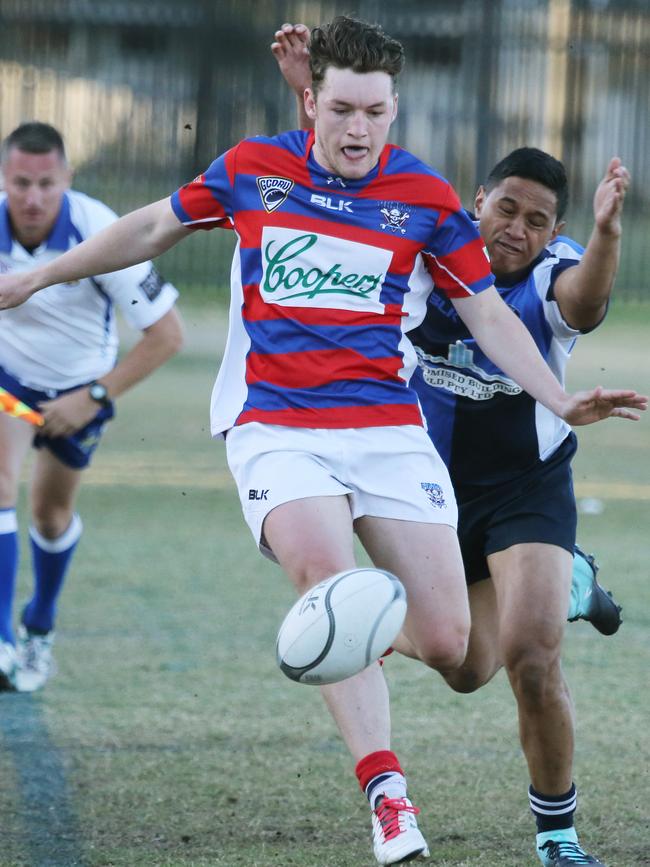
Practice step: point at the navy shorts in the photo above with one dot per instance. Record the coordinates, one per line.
(74, 451)
(536, 506)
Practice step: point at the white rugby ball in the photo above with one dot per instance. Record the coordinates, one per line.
(341, 625)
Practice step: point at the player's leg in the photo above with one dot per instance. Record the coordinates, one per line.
(532, 583)
(312, 539)
(483, 658)
(532, 586)
(426, 558)
(54, 534)
(15, 439)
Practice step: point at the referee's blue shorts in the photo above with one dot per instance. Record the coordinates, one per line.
(536, 506)
(74, 451)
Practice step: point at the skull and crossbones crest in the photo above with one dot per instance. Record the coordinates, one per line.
(394, 219)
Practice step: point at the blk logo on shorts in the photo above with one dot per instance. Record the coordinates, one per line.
(434, 493)
(254, 494)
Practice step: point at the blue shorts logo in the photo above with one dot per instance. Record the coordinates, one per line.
(434, 493)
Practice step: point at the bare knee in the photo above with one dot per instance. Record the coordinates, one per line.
(468, 678)
(444, 652)
(535, 675)
(51, 521)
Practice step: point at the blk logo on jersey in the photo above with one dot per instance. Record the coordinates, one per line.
(273, 191)
(332, 204)
(302, 269)
(434, 493)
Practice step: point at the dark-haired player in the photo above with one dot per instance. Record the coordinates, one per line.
(509, 456)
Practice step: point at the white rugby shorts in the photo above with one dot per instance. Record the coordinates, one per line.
(386, 472)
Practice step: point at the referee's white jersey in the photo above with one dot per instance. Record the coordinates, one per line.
(66, 334)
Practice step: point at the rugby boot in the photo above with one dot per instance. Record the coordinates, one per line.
(396, 836)
(561, 849)
(35, 663)
(590, 601)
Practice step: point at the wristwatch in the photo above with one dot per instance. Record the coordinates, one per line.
(99, 393)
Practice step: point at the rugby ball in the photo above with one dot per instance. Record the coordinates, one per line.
(341, 625)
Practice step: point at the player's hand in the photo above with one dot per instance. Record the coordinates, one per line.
(586, 407)
(15, 289)
(609, 197)
(291, 51)
(67, 413)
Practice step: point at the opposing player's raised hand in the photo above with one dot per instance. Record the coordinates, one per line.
(290, 49)
(609, 197)
(15, 289)
(586, 407)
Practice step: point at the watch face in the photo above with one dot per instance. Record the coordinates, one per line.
(98, 392)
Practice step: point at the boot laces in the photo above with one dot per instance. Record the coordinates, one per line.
(568, 850)
(389, 813)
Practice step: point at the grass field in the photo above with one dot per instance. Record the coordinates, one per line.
(168, 736)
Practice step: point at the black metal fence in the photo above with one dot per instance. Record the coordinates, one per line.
(147, 92)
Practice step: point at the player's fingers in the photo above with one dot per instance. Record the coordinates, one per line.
(623, 399)
(619, 412)
(302, 32)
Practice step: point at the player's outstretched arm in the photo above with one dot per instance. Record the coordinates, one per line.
(136, 237)
(290, 49)
(508, 343)
(582, 292)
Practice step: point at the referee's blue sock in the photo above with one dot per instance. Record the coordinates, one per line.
(9, 554)
(50, 559)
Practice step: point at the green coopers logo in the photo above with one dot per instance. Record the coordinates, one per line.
(308, 269)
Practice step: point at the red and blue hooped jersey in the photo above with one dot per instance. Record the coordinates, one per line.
(328, 276)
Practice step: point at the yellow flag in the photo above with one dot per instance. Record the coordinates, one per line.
(12, 406)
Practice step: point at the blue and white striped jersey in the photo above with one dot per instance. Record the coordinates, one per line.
(486, 429)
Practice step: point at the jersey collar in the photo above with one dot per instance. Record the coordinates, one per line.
(63, 231)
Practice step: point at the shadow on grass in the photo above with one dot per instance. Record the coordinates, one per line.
(46, 831)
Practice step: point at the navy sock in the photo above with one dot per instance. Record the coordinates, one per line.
(553, 812)
(50, 559)
(9, 555)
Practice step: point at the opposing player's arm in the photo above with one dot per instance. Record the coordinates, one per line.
(508, 343)
(291, 51)
(136, 237)
(582, 292)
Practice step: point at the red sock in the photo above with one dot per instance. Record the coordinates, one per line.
(381, 762)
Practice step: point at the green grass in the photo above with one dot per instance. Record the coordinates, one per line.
(168, 736)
